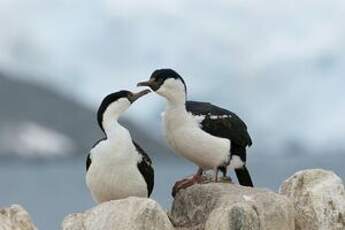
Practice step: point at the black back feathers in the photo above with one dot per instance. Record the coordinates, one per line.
(221, 122)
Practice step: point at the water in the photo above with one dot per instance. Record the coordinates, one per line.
(50, 190)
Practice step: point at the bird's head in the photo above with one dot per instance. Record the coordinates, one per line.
(115, 104)
(167, 83)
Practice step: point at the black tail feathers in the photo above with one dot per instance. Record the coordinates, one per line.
(243, 177)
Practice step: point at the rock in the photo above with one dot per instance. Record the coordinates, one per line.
(230, 207)
(15, 218)
(206, 178)
(237, 216)
(131, 213)
(319, 199)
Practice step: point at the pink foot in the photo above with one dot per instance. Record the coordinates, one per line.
(185, 183)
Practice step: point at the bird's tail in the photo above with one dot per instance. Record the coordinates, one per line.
(243, 176)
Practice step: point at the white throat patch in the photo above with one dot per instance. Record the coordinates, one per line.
(114, 111)
(173, 90)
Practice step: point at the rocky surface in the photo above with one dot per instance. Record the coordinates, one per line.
(237, 216)
(319, 199)
(309, 200)
(132, 213)
(227, 206)
(15, 218)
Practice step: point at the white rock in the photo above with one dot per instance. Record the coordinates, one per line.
(15, 218)
(230, 207)
(131, 213)
(319, 199)
(237, 216)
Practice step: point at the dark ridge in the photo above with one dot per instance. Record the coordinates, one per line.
(23, 101)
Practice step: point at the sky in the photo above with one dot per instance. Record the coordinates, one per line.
(277, 64)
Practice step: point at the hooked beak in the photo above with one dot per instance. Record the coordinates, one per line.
(151, 83)
(138, 95)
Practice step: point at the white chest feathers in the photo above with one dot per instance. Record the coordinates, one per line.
(113, 173)
(186, 138)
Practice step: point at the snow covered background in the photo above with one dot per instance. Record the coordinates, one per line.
(278, 64)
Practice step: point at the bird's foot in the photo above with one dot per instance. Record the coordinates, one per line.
(185, 183)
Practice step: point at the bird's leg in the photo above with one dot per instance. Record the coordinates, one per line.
(187, 182)
(194, 179)
(216, 176)
(225, 172)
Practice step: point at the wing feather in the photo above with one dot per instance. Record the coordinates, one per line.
(146, 169)
(220, 122)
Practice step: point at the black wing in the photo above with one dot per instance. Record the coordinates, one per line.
(88, 159)
(88, 162)
(221, 122)
(145, 168)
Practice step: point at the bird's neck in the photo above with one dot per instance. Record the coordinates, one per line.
(176, 106)
(176, 100)
(112, 127)
(176, 113)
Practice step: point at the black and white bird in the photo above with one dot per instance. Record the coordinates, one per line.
(211, 137)
(117, 167)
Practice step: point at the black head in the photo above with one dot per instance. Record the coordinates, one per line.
(117, 96)
(159, 76)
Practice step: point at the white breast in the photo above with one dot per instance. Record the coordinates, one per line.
(187, 139)
(113, 173)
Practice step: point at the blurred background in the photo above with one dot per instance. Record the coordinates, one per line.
(278, 64)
